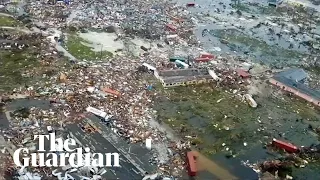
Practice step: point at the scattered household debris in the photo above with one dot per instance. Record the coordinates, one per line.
(250, 100)
(115, 87)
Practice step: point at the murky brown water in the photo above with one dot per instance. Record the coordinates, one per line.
(206, 164)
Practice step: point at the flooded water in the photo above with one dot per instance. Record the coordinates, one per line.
(4, 123)
(252, 29)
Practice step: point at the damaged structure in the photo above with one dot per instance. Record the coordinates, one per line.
(91, 87)
(182, 77)
(294, 81)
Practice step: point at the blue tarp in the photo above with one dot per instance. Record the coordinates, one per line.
(149, 87)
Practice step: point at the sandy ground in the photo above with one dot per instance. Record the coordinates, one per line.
(106, 42)
(102, 41)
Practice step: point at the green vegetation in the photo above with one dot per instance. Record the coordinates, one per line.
(303, 108)
(13, 64)
(7, 21)
(76, 46)
(24, 67)
(213, 117)
(314, 69)
(195, 111)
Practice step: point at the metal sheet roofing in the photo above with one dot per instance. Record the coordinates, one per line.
(295, 74)
(298, 86)
(178, 79)
(183, 72)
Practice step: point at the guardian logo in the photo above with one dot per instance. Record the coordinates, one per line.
(60, 152)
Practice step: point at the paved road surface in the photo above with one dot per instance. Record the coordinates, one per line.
(99, 144)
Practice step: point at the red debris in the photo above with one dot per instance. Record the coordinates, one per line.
(171, 27)
(242, 73)
(192, 164)
(191, 4)
(286, 146)
(210, 56)
(201, 59)
(111, 92)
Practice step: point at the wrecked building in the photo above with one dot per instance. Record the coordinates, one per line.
(182, 77)
(293, 81)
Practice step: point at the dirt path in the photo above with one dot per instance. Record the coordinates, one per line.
(5, 14)
(16, 28)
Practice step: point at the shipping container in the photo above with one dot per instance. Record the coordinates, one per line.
(191, 164)
(286, 146)
(96, 112)
(206, 55)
